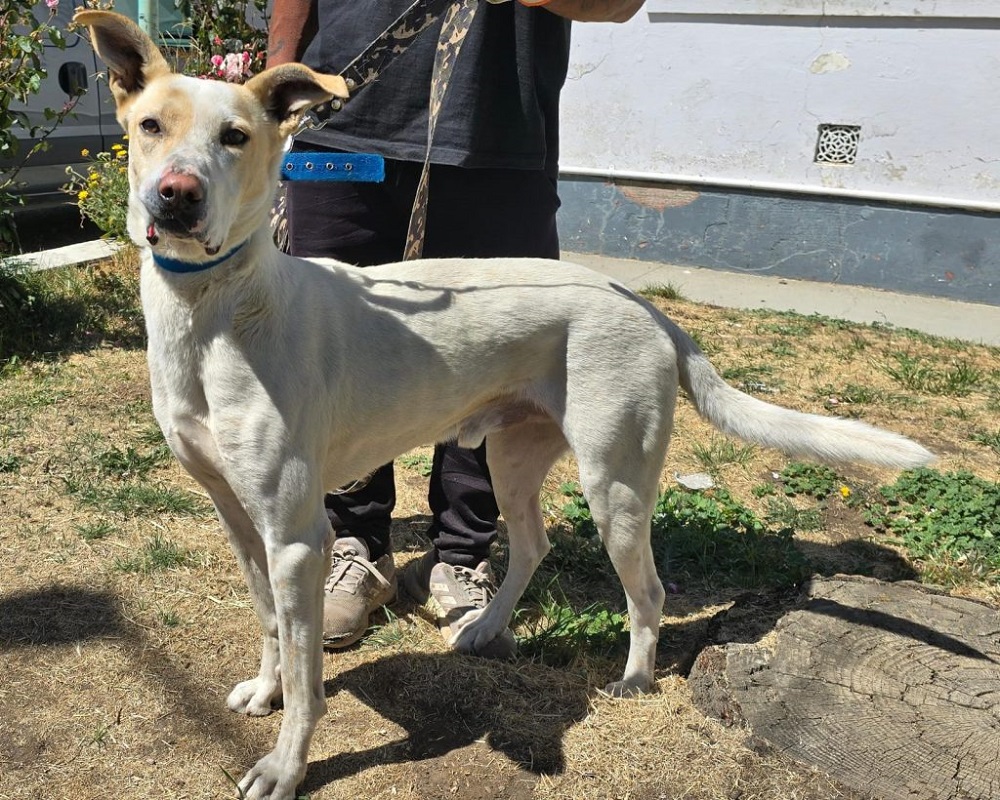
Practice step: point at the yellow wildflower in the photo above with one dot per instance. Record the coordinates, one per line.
(117, 146)
(94, 178)
(85, 152)
(845, 491)
(121, 154)
(82, 195)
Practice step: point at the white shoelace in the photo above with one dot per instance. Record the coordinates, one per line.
(349, 569)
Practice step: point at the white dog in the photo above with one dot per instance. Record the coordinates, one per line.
(276, 378)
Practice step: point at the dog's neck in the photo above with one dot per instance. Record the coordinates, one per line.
(179, 266)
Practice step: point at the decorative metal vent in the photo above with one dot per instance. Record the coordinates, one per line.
(837, 144)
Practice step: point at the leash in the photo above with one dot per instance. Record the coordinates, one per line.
(365, 69)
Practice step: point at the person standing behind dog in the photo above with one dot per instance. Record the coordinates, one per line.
(492, 194)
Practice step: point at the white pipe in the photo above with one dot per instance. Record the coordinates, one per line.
(750, 184)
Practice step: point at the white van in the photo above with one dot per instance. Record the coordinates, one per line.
(92, 126)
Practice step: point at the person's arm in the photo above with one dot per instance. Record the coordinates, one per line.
(292, 27)
(591, 10)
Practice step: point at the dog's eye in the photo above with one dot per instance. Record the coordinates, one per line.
(234, 137)
(150, 125)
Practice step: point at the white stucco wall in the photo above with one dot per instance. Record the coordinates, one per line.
(733, 92)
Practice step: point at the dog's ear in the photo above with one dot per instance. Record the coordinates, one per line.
(132, 58)
(289, 90)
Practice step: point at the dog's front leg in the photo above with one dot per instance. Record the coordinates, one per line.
(255, 697)
(296, 572)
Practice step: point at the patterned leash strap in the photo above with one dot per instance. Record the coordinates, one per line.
(456, 24)
(366, 68)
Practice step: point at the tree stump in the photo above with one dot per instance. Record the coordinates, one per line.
(888, 687)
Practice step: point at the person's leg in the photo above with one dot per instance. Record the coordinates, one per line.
(358, 224)
(363, 225)
(480, 214)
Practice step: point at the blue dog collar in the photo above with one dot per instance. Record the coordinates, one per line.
(321, 166)
(182, 267)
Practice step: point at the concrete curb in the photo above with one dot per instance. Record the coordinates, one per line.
(970, 322)
(72, 255)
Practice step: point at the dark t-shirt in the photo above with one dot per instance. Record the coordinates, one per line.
(502, 104)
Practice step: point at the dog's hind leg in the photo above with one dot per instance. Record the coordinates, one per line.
(620, 463)
(519, 459)
(622, 515)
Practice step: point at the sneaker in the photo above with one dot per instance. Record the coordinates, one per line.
(454, 591)
(354, 589)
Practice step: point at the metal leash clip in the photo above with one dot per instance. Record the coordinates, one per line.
(316, 118)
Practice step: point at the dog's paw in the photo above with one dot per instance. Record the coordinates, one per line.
(627, 688)
(271, 778)
(255, 698)
(477, 635)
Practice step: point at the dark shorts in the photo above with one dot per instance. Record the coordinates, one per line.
(476, 213)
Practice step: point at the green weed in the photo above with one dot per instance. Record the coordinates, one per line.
(421, 463)
(561, 633)
(957, 380)
(662, 291)
(988, 439)
(947, 517)
(129, 463)
(11, 462)
(168, 618)
(711, 537)
(812, 480)
(92, 531)
(782, 513)
(703, 536)
(391, 634)
(156, 554)
(721, 451)
(136, 499)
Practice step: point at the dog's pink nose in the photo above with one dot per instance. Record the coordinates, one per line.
(181, 189)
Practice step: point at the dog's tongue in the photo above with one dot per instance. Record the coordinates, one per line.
(151, 235)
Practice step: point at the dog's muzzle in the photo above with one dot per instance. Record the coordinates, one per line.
(178, 204)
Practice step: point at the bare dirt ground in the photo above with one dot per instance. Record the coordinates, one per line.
(114, 671)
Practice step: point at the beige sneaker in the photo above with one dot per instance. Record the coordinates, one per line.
(451, 592)
(354, 589)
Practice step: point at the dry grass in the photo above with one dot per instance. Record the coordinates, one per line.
(114, 680)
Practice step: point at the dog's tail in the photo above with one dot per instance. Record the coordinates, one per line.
(794, 433)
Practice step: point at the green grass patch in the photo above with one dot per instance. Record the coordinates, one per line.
(421, 463)
(155, 555)
(941, 516)
(988, 439)
(92, 531)
(116, 462)
(707, 537)
(63, 310)
(11, 462)
(561, 633)
(662, 291)
(811, 480)
(722, 451)
(958, 379)
(135, 498)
